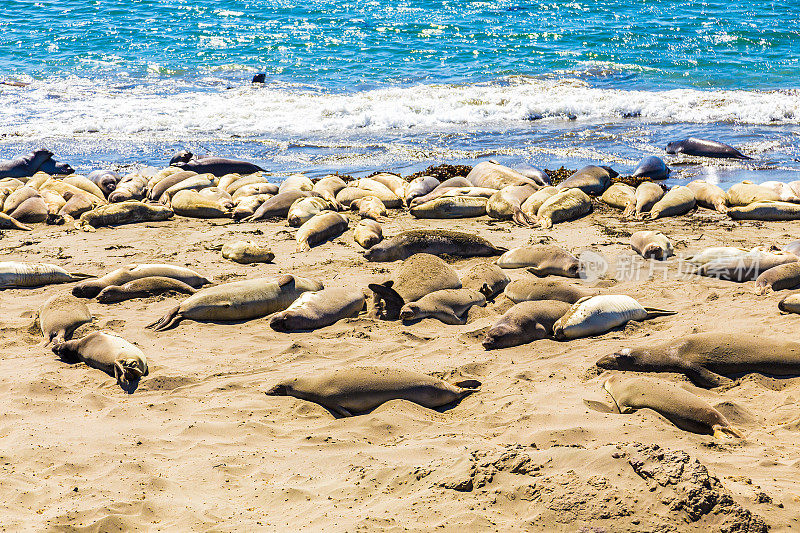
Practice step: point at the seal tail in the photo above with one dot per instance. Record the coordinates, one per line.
(467, 386)
(721, 432)
(652, 312)
(521, 219)
(78, 276)
(168, 321)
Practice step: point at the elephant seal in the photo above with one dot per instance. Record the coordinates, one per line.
(358, 390)
(7, 222)
(53, 167)
(109, 353)
(745, 193)
(246, 207)
(568, 204)
(417, 276)
(651, 244)
(246, 252)
(318, 309)
(369, 207)
(447, 305)
(495, 176)
(790, 303)
(129, 188)
(105, 179)
(320, 228)
(620, 196)
(142, 288)
(536, 174)
(127, 212)
(676, 404)
(543, 260)
(451, 207)
(783, 190)
(595, 315)
(393, 182)
(184, 156)
(367, 187)
(793, 248)
(532, 289)
(507, 202)
(777, 278)
(745, 267)
(328, 187)
(679, 200)
(711, 359)
(591, 179)
(447, 192)
(652, 167)
(219, 166)
(193, 183)
(714, 253)
(419, 186)
(525, 322)
(188, 203)
(92, 287)
(766, 211)
(486, 278)
(16, 275)
(647, 195)
(296, 182)
(60, 316)
(158, 189)
(18, 196)
(33, 210)
(277, 206)
(239, 300)
(704, 148)
(529, 209)
(368, 233)
(432, 241)
(25, 165)
(709, 195)
(303, 209)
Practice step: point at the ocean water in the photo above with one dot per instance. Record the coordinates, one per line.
(363, 86)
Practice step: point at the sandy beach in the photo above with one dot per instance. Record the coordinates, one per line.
(199, 446)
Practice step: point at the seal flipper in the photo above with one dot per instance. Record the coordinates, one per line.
(600, 407)
(705, 378)
(721, 432)
(652, 312)
(521, 219)
(170, 320)
(469, 384)
(337, 409)
(394, 302)
(78, 276)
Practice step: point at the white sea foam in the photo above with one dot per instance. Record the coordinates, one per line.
(169, 110)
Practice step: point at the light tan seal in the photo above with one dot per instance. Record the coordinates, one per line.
(566, 205)
(420, 186)
(360, 389)
(529, 209)
(746, 193)
(684, 409)
(507, 202)
(109, 353)
(246, 252)
(495, 176)
(525, 322)
(647, 195)
(766, 211)
(240, 300)
(651, 245)
(679, 200)
(790, 303)
(534, 288)
(778, 278)
(451, 207)
(417, 276)
(16, 275)
(709, 195)
(447, 305)
(486, 278)
(745, 267)
(320, 228)
(368, 233)
(92, 287)
(369, 207)
(318, 309)
(543, 260)
(190, 203)
(620, 196)
(304, 209)
(142, 288)
(60, 316)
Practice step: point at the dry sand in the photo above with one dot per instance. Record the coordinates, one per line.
(199, 446)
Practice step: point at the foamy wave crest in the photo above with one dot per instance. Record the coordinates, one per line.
(153, 109)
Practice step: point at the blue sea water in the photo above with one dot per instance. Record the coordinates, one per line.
(361, 86)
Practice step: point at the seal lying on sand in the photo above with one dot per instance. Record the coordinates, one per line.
(368, 233)
(432, 241)
(417, 276)
(126, 212)
(704, 148)
(142, 288)
(525, 322)
(486, 278)
(676, 404)
(60, 316)
(92, 287)
(711, 359)
(14, 275)
(245, 252)
(109, 353)
(447, 305)
(318, 309)
(651, 244)
(786, 276)
(531, 289)
(361, 389)
(598, 314)
(240, 300)
(543, 260)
